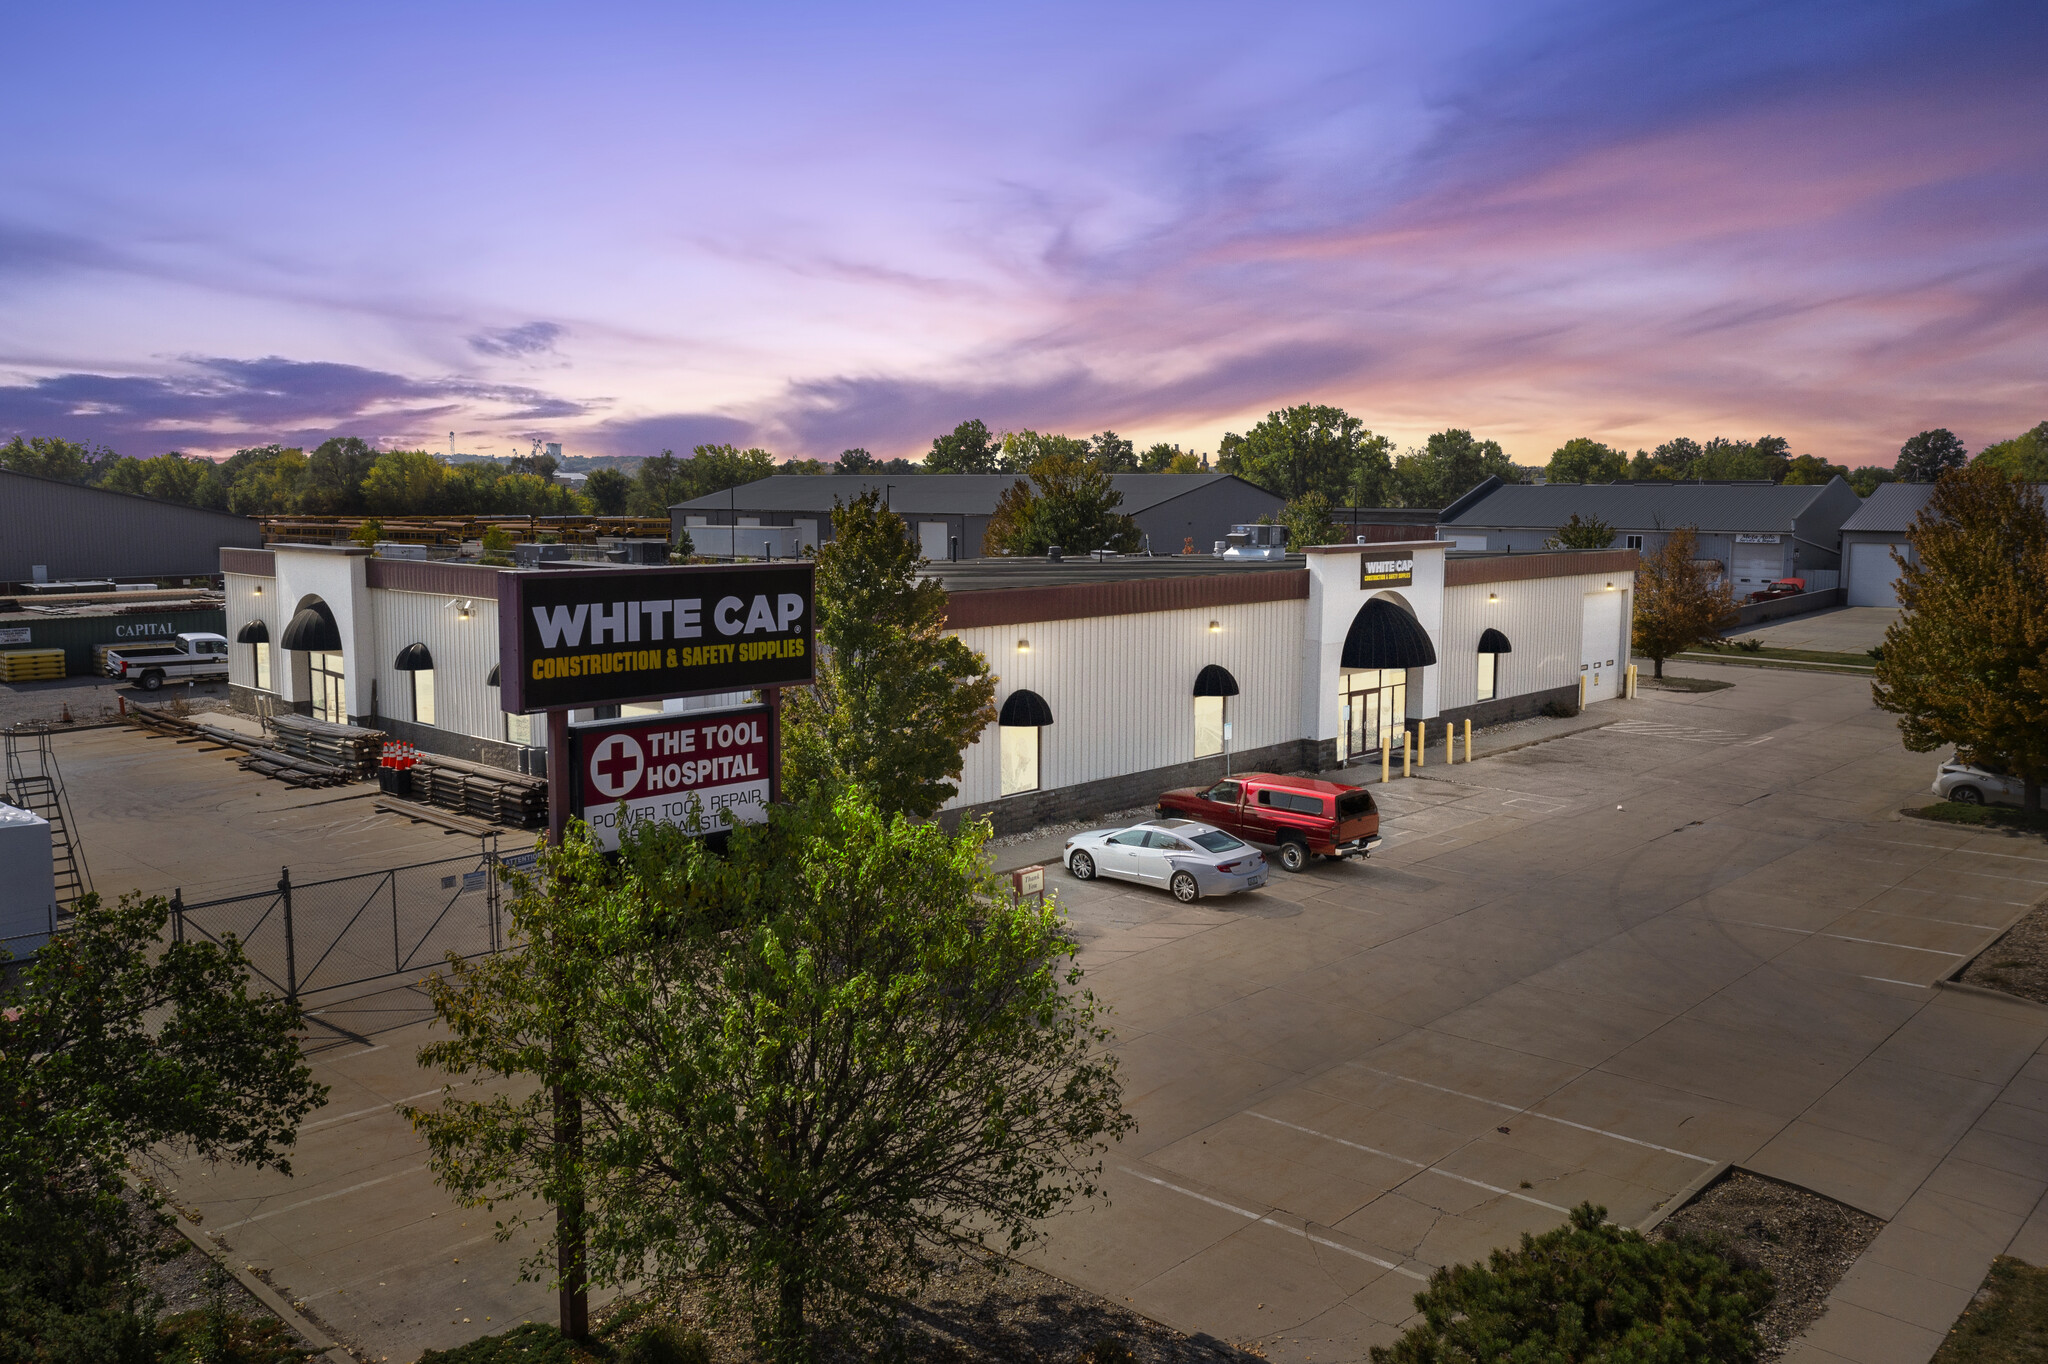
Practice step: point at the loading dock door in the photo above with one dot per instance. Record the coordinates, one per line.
(1601, 655)
(1873, 576)
(1757, 567)
(931, 540)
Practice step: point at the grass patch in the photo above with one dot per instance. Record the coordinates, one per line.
(2006, 1323)
(1983, 816)
(1693, 684)
(1739, 649)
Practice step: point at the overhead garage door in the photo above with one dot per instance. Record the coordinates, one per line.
(1601, 655)
(1757, 566)
(1873, 575)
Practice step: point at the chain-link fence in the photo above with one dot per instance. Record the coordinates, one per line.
(322, 936)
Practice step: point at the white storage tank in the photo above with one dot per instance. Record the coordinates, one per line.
(28, 886)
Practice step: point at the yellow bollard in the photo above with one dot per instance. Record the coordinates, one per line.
(1582, 691)
(1468, 741)
(1386, 758)
(1450, 743)
(1421, 743)
(1405, 738)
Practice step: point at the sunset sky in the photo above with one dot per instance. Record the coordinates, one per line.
(629, 227)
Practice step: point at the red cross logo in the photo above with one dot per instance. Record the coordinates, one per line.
(615, 765)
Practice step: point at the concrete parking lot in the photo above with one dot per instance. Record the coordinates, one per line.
(1595, 968)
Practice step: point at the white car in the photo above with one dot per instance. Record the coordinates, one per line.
(1187, 858)
(1975, 783)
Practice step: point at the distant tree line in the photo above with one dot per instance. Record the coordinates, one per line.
(1922, 459)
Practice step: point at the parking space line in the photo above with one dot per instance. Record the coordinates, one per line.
(1302, 1232)
(1566, 1122)
(1844, 937)
(1929, 919)
(1970, 852)
(1403, 1160)
(308, 1202)
(361, 1112)
(1904, 947)
(1914, 984)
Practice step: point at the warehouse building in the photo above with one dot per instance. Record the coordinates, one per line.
(948, 513)
(1756, 532)
(52, 531)
(1870, 574)
(1116, 678)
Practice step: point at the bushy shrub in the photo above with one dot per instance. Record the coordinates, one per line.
(1592, 1293)
(532, 1343)
(666, 1343)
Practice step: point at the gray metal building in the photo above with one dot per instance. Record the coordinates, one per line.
(1758, 532)
(949, 512)
(1869, 573)
(51, 531)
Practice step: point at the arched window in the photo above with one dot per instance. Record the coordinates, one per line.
(1492, 645)
(1023, 715)
(416, 660)
(1212, 685)
(313, 632)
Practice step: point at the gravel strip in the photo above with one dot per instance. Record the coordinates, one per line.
(2018, 962)
(1807, 1242)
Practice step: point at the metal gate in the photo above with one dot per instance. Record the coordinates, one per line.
(319, 936)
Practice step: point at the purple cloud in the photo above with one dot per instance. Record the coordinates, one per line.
(513, 343)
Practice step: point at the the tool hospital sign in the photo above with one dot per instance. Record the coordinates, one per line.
(673, 769)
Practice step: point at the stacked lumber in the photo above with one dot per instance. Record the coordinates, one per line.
(351, 748)
(489, 793)
(31, 665)
(292, 769)
(258, 755)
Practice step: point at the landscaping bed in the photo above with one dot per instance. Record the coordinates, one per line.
(1690, 684)
(2018, 962)
(2006, 1323)
(1805, 1241)
(1980, 816)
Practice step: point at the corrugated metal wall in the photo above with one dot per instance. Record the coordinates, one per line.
(1541, 617)
(1120, 688)
(244, 604)
(79, 532)
(463, 651)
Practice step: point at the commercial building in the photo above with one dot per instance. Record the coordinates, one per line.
(948, 513)
(1116, 678)
(1757, 532)
(86, 625)
(52, 531)
(1870, 574)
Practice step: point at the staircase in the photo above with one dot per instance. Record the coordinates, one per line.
(34, 784)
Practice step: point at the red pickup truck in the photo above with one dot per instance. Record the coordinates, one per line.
(1294, 815)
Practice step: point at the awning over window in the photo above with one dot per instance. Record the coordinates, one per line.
(1382, 635)
(255, 632)
(1494, 642)
(492, 680)
(313, 630)
(414, 658)
(1025, 710)
(1215, 680)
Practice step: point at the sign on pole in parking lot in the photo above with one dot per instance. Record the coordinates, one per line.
(678, 768)
(570, 639)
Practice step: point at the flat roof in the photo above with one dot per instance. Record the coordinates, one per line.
(936, 494)
(981, 575)
(1647, 504)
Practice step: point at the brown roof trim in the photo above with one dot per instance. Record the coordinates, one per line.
(1377, 546)
(420, 575)
(1515, 568)
(257, 563)
(1079, 601)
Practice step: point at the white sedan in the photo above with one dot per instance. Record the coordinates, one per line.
(1977, 783)
(1189, 859)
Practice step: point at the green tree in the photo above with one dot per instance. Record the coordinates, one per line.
(1311, 448)
(1587, 533)
(116, 1047)
(1966, 662)
(897, 699)
(658, 484)
(855, 461)
(497, 547)
(1585, 460)
(334, 476)
(1589, 1291)
(1308, 522)
(1070, 502)
(1450, 464)
(2024, 457)
(52, 457)
(1927, 456)
(802, 1067)
(1019, 450)
(1869, 479)
(1112, 453)
(1163, 458)
(264, 480)
(1810, 470)
(170, 477)
(608, 491)
(410, 483)
(1680, 601)
(967, 449)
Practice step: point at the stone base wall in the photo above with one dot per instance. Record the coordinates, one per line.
(1016, 814)
(1503, 709)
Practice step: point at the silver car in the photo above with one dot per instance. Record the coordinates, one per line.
(1976, 783)
(1187, 858)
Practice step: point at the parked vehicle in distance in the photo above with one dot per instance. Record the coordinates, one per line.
(1188, 858)
(1784, 587)
(1296, 816)
(1974, 783)
(198, 657)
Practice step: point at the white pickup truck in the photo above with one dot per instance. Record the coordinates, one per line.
(194, 657)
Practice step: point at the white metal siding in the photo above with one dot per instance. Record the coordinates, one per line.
(1541, 618)
(245, 604)
(1121, 688)
(463, 651)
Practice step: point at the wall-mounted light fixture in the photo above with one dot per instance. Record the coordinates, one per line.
(1215, 627)
(1610, 587)
(1493, 596)
(463, 614)
(1023, 646)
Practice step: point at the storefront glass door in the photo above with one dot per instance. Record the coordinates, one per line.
(1375, 704)
(330, 698)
